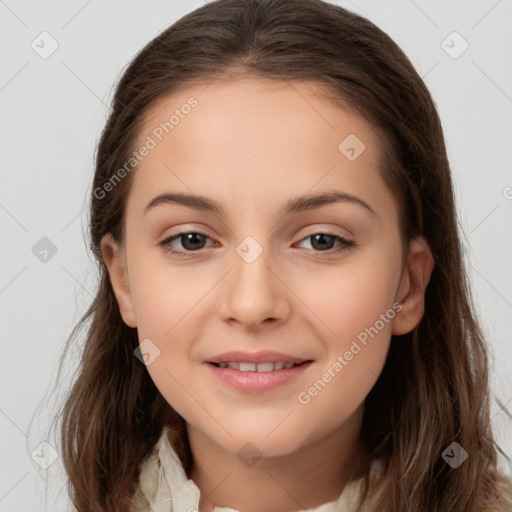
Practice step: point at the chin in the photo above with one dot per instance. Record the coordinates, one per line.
(260, 444)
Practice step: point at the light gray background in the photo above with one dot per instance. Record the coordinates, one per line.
(52, 113)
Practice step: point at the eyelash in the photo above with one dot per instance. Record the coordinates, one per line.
(345, 244)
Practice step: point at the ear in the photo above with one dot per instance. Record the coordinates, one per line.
(115, 261)
(414, 280)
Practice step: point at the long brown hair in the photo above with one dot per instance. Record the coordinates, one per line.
(434, 388)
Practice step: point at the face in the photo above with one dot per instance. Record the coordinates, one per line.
(321, 281)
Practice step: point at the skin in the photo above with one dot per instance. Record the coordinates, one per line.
(251, 145)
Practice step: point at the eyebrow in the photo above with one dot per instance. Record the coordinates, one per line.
(294, 205)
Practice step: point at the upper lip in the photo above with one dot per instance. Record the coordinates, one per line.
(254, 357)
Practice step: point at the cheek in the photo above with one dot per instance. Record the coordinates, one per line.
(355, 356)
(163, 294)
(346, 299)
(166, 297)
(355, 305)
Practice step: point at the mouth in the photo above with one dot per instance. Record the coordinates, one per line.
(260, 367)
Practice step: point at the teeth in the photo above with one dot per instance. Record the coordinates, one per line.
(244, 367)
(262, 367)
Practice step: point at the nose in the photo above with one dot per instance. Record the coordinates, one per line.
(254, 294)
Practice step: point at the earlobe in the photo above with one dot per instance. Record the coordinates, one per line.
(116, 265)
(414, 281)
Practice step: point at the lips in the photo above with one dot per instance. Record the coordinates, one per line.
(260, 367)
(248, 381)
(238, 356)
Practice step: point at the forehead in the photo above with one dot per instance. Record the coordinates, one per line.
(253, 139)
(253, 110)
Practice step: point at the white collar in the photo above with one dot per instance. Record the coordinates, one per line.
(165, 487)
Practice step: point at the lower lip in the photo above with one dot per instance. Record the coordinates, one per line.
(255, 382)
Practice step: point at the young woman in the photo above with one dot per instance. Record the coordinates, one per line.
(284, 320)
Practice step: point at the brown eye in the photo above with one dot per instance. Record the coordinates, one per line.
(190, 242)
(324, 242)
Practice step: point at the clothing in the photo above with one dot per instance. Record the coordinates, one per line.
(165, 487)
